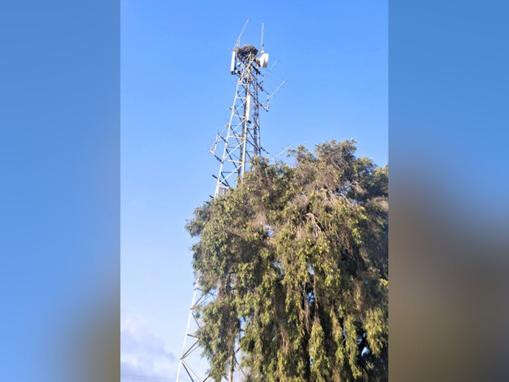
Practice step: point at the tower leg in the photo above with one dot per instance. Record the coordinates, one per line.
(188, 328)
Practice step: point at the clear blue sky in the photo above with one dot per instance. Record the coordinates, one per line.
(175, 93)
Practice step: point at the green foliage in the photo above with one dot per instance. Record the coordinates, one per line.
(296, 261)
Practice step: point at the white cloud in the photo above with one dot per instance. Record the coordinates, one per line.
(144, 355)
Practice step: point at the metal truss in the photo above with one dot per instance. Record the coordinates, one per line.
(234, 148)
(190, 361)
(240, 143)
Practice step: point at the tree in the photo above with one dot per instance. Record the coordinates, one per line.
(295, 258)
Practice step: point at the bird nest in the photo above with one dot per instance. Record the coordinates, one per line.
(247, 51)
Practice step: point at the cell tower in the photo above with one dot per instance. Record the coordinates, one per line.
(234, 148)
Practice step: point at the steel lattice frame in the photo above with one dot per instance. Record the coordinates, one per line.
(241, 142)
(238, 144)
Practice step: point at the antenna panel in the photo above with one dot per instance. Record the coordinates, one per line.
(232, 62)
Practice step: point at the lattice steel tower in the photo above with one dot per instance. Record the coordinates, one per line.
(234, 148)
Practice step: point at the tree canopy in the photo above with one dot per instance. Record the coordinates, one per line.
(295, 259)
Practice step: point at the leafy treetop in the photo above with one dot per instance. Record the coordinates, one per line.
(295, 259)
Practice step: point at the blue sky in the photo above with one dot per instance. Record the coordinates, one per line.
(175, 93)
